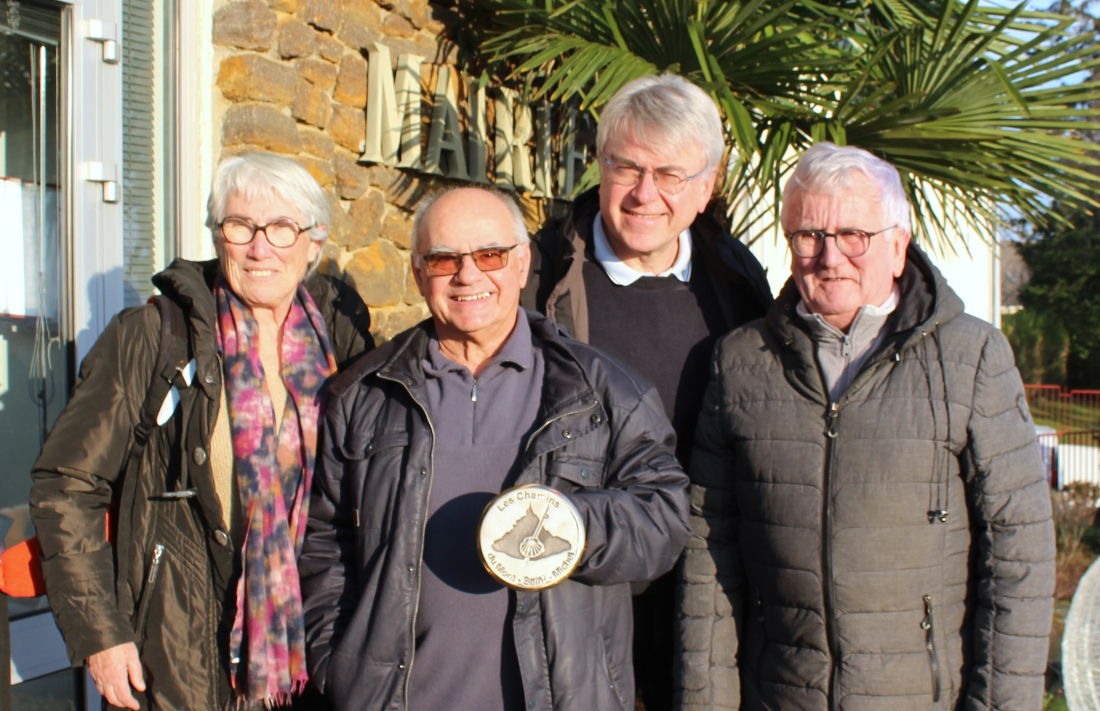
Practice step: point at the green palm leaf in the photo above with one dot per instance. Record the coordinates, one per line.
(963, 98)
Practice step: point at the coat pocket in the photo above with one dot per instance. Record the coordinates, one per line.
(756, 637)
(358, 447)
(147, 593)
(928, 624)
(572, 473)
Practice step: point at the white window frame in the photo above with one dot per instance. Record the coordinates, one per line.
(197, 143)
(91, 232)
(93, 226)
(94, 120)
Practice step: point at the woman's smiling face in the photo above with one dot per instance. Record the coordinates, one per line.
(265, 277)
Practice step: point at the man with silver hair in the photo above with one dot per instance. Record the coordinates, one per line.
(642, 270)
(423, 435)
(872, 525)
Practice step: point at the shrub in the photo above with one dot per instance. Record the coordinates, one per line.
(1075, 513)
(1041, 346)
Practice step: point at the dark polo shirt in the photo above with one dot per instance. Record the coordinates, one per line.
(465, 652)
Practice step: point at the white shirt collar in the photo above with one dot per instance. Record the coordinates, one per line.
(621, 274)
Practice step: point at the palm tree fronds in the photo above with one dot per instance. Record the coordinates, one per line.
(962, 96)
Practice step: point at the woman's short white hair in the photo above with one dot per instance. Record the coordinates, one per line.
(249, 174)
(519, 228)
(827, 169)
(666, 111)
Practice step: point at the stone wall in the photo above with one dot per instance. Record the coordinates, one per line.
(292, 79)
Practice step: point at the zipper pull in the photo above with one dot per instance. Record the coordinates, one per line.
(830, 420)
(930, 645)
(158, 551)
(473, 395)
(846, 347)
(185, 494)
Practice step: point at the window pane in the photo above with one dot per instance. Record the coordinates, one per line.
(140, 86)
(40, 23)
(33, 366)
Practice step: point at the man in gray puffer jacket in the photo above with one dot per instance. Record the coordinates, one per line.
(872, 527)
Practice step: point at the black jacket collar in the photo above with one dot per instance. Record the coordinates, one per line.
(565, 384)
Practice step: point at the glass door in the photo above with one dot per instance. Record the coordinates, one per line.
(34, 359)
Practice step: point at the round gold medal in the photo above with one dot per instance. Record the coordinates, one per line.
(531, 537)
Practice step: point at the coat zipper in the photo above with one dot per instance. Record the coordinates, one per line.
(424, 525)
(930, 644)
(763, 633)
(832, 417)
(831, 421)
(150, 583)
(423, 531)
(211, 604)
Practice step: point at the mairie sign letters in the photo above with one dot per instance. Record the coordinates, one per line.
(395, 130)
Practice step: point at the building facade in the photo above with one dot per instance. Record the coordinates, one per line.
(113, 114)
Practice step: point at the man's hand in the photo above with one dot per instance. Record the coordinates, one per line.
(114, 671)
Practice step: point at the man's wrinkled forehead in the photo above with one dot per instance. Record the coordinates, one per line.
(841, 201)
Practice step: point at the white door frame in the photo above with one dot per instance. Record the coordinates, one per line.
(92, 232)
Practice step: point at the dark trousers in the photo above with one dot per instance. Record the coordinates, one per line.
(310, 700)
(653, 610)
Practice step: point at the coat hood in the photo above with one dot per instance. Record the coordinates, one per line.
(191, 286)
(926, 302)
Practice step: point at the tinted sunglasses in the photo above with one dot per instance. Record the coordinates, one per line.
(447, 263)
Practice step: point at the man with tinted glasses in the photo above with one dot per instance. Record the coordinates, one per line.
(400, 611)
(872, 525)
(642, 270)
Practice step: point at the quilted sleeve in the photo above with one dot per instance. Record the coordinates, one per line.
(1012, 518)
(710, 580)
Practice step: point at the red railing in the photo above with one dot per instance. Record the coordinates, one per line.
(1067, 424)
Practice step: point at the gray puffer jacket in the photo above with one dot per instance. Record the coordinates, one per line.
(892, 550)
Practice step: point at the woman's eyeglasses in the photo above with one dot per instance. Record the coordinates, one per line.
(489, 259)
(279, 233)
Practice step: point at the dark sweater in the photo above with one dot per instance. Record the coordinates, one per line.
(666, 330)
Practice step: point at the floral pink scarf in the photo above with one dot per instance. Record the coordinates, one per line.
(274, 470)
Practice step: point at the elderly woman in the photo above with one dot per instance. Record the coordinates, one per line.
(196, 604)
